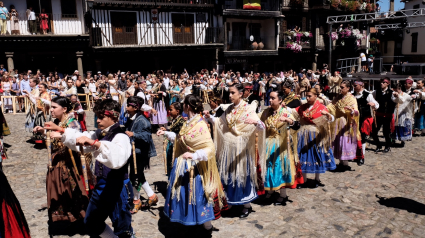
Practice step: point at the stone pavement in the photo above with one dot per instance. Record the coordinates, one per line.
(385, 197)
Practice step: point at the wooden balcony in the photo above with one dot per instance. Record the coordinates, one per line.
(151, 35)
(295, 4)
(156, 3)
(269, 8)
(57, 25)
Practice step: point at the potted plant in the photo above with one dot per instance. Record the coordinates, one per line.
(372, 40)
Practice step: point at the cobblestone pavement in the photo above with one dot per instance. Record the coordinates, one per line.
(385, 197)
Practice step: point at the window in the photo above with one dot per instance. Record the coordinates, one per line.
(415, 42)
(69, 8)
(416, 6)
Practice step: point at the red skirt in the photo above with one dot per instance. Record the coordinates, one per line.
(217, 209)
(299, 179)
(15, 231)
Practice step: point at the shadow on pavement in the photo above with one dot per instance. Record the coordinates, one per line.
(161, 187)
(176, 230)
(67, 228)
(403, 204)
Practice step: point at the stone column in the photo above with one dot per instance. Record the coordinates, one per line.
(10, 65)
(314, 64)
(80, 62)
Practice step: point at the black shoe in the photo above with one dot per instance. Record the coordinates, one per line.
(387, 149)
(304, 185)
(245, 214)
(422, 134)
(318, 183)
(402, 144)
(360, 162)
(378, 149)
(282, 203)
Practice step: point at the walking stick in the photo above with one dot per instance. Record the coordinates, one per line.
(164, 155)
(73, 161)
(192, 173)
(256, 149)
(373, 116)
(49, 148)
(134, 157)
(396, 122)
(83, 165)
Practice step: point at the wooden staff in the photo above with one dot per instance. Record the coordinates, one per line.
(49, 148)
(73, 162)
(256, 149)
(164, 155)
(192, 174)
(83, 165)
(134, 157)
(374, 116)
(289, 142)
(396, 120)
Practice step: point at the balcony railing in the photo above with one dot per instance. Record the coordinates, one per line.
(296, 3)
(270, 5)
(150, 35)
(237, 43)
(161, 2)
(57, 24)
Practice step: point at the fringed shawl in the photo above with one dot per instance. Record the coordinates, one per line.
(192, 137)
(404, 109)
(345, 122)
(277, 136)
(313, 125)
(236, 145)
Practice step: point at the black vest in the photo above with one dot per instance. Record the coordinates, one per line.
(101, 170)
(386, 105)
(362, 102)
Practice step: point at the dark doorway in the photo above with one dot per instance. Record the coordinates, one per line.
(37, 5)
(124, 31)
(239, 39)
(183, 28)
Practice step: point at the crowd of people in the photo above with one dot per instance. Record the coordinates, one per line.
(264, 134)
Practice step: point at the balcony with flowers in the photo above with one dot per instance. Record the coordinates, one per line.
(295, 40)
(355, 6)
(349, 37)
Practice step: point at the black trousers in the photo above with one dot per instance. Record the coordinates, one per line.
(385, 122)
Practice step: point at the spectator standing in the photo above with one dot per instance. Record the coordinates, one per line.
(14, 21)
(32, 24)
(122, 84)
(44, 21)
(4, 15)
(370, 61)
(5, 86)
(364, 62)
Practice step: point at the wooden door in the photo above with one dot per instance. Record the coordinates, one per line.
(183, 28)
(239, 39)
(124, 31)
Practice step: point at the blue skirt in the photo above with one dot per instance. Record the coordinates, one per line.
(314, 159)
(403, 133)
(237, 194)
(180, 211)
(275, 177)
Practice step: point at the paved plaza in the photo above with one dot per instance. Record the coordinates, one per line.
(383, 198)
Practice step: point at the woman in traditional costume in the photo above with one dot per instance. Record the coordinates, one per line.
(282, 166)
(346, 138)
(174, 92)
(403, 115)
(290, 99)
(239, 161)
(67, 198)
(41, 100)
(159, 95)
(176, 124)
(313, 139)
(12, 219)
(194, 192)
(78, 111)
(138, 128)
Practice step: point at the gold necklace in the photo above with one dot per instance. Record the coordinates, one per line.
(234, 117)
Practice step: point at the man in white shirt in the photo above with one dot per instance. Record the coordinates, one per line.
(31, 21)
(166, 81)
(145, 95)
